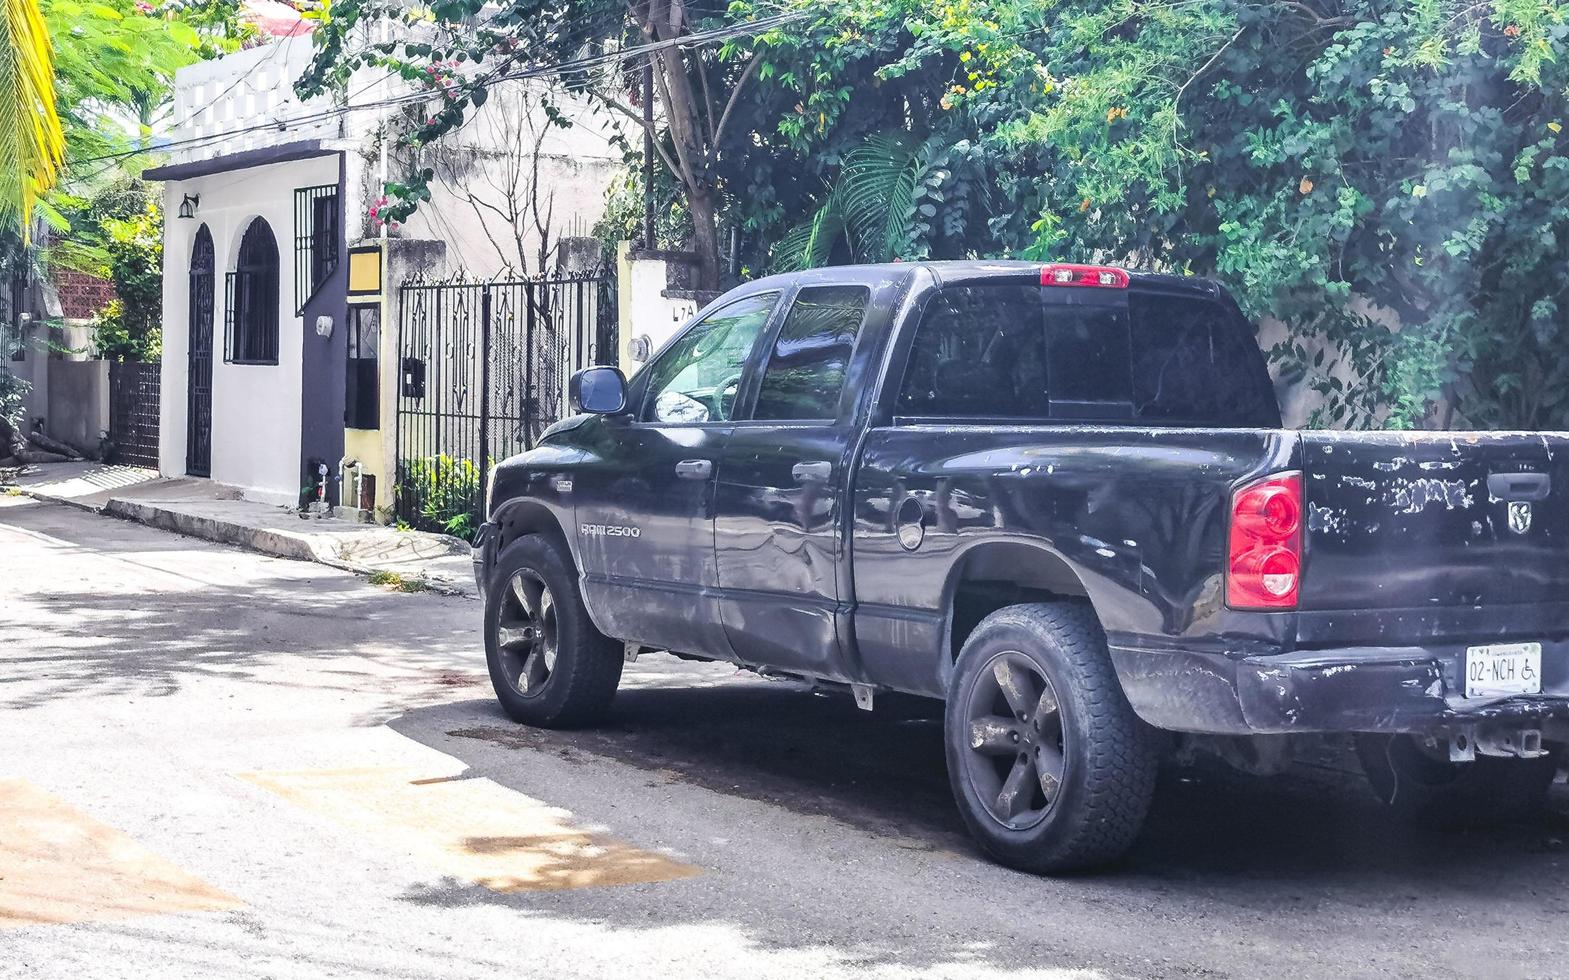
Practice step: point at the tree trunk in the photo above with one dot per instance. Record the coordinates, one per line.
(704, 206)
(690, 135)
(55, 446)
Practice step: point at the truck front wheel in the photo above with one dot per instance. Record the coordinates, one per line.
(1050, 767)
(549, 665)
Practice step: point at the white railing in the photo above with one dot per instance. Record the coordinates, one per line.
(246, 101)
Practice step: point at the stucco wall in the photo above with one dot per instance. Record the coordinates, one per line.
(492, 201)
(256, 409)
(79, 402)
(650, 308)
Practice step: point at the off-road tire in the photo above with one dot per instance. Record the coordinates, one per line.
(1427, 792)
(1108, 757)
(587, 665)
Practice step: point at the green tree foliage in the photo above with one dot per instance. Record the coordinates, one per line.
(114, 66)
(130, 328)
(1330, 160)
(870, 127)
(31, 142)
(1387, 178)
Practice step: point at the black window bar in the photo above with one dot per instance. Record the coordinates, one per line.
(250, 321)
(315, 241)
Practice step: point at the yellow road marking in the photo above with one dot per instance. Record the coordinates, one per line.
(59, 865)
(470, 828)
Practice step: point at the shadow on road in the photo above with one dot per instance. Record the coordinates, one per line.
(148, 612)
(1312, 828)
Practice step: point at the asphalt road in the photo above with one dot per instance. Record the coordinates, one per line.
(214, 763)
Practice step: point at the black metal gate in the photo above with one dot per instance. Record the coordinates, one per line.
(483, 368)
(198, 407)
(133, 412)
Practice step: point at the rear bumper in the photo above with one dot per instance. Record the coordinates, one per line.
(1365, 689)
(484, 556)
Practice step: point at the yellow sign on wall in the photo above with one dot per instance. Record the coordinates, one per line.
(365, 270)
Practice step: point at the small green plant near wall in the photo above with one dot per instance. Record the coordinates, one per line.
(446, 492)
(12, 391)
(396, 582)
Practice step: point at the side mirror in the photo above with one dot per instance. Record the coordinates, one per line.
(598, 390)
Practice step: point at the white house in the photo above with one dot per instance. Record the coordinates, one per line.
(280, 296)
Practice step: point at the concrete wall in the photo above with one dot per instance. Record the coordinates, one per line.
(256, 409)
(32, 347)
(653, 301)
(43, 348)
(510, 177)
(229, 95)
(79, 402)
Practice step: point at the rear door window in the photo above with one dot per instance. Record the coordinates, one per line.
(805, 372)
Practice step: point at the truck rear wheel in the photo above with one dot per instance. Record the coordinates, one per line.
(549, 665)
(1422, 787)
(1051, 769)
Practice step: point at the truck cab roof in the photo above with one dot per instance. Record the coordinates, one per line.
(965, 272)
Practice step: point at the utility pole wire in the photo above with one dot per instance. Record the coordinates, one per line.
(577, 64)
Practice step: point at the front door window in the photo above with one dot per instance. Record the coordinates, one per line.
(697, 378)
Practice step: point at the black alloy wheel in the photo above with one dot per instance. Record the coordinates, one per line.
(527, 633)
(548, 664)
(1051, 769)
(1016, 755)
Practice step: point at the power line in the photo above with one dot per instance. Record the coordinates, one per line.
(574, 65)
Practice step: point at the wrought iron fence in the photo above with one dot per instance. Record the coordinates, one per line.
(483, 368)
(133, 411)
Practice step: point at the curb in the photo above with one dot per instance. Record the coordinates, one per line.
(259, 540)
(51, 499)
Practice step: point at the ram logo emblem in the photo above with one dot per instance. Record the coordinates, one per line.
(1519, 516)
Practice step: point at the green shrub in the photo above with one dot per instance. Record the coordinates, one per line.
(446, 493)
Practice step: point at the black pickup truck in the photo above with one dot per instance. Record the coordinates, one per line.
(1061, 499)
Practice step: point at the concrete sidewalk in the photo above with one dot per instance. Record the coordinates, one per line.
(216, 512)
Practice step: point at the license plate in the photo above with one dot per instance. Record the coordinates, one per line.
(1503, 668)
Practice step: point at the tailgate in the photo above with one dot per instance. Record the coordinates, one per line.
(1418, 520)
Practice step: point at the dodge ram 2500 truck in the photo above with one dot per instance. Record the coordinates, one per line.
(1061, 499)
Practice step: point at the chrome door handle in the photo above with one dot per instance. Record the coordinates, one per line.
(694, 469)
(812, 472)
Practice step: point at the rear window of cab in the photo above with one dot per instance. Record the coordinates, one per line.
(1029, 353)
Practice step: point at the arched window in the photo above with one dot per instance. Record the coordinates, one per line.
(251, 335)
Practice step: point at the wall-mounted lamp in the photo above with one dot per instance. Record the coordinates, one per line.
(189, 205)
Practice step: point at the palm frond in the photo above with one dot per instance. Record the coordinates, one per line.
(810, 243)
(32, 144)
(878, 182)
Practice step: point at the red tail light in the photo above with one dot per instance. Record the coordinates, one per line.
(1103, 276)
(1264, 544)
